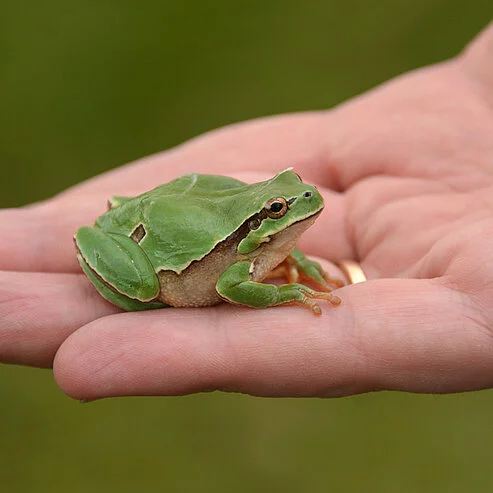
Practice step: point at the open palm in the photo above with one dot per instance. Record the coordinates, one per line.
(407, 176)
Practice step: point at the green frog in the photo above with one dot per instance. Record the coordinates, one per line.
(203, 239)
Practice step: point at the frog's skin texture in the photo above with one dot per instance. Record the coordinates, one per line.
(203, 239)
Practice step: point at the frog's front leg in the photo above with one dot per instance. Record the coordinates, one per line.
(235, 286)
(297, 266)
(118, 268)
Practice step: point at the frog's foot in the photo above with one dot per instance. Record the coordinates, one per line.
(301, 295)
(235, 286)
(118, 268)
(296, 266)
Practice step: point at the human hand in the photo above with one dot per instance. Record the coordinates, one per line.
(407, 175)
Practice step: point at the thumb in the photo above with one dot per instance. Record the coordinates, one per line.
(388, 334)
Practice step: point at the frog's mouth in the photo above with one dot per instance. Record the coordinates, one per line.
(296, 229)
(311, 219)
(250, 236)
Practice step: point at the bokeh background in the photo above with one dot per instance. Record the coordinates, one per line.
(87, 86)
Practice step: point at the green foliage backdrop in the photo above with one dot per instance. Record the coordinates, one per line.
(87, 86)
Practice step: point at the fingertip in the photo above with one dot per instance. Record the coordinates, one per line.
(69, 367)
(163, 352)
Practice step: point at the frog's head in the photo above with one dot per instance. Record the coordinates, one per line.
(287, 201)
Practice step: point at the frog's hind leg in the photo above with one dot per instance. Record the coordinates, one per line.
(115, 297)
(118, 268)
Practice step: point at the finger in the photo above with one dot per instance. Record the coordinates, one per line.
(410, 335)
(40, 238)
(39, 311)
(386, 216)
(264, 145)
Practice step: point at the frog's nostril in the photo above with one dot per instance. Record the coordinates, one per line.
(307, 195)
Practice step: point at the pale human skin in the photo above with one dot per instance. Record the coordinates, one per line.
(407, 175)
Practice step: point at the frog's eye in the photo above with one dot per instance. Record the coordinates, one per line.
(276, 207)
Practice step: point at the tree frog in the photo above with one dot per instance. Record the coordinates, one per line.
(202, 239)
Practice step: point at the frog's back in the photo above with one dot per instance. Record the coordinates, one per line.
(182, 221)
(187, 218)
(177, 222)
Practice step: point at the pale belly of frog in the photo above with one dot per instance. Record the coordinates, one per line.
(196, 285)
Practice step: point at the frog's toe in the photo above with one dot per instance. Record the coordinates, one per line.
(317, 295)
(333, 282)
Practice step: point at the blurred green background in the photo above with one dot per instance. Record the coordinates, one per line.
(87, 86)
